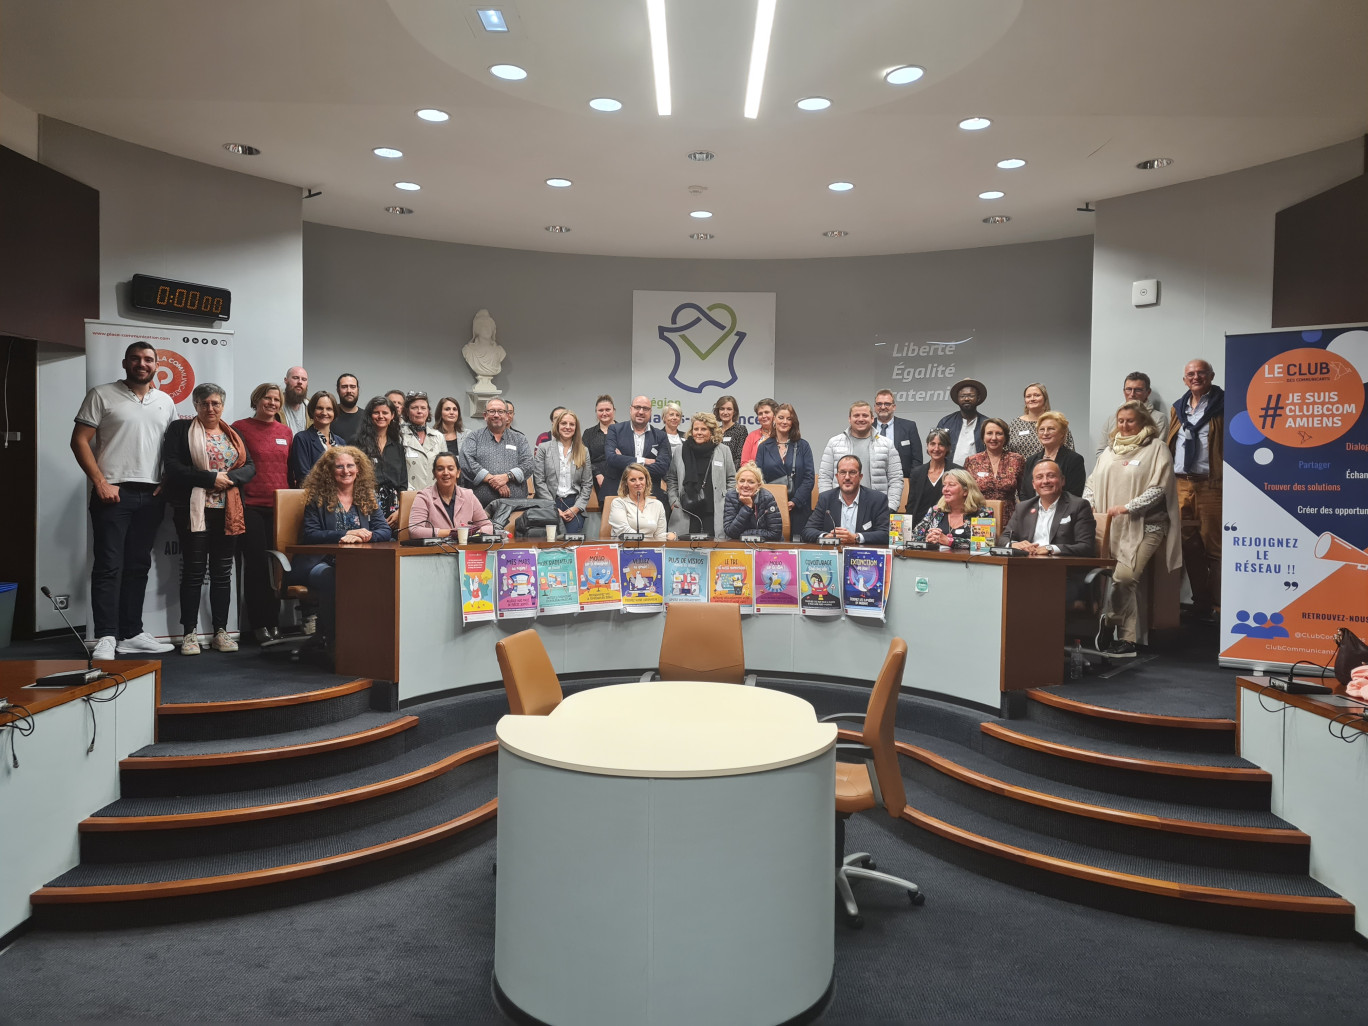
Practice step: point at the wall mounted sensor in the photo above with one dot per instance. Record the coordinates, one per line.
(1145, 293)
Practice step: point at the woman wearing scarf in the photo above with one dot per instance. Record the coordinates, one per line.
(205, 462)
(701, 473)
(1133, 484)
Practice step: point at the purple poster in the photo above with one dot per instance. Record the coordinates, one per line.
(515, 587)
(864, 584)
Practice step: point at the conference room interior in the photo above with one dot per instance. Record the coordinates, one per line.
(115, 160)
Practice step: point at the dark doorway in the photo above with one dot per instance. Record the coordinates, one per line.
(19, 471)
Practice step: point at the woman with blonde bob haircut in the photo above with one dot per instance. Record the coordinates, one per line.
(1052, 428)
(948, 520)
(700, 476)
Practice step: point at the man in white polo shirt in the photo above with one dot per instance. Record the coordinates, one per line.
(118, 441)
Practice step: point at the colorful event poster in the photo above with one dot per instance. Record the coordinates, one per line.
(477, 586)
(641, 580)
(731, 577)
(556, 590)
(819, 582)
(1294, 560)
(686, 575)
(596, 568)
(776, 581)
(900, 527)
(865, 581)
(515, 591)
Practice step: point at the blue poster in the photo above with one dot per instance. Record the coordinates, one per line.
(865, 581)
(685, 576)
(557, 591)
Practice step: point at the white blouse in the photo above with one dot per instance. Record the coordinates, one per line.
(624, 517)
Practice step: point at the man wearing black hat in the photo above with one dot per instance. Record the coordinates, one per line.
(966, 426)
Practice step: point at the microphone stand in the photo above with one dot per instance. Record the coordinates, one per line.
(68, 678)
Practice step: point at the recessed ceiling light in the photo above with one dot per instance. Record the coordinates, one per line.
(974, 124)
(398, 210)
(388, 151)
(702, 155)
(493, 20)
(997, 219)
(701, 236)
(605, 103)
(408, 186)
(559, 183)
(557, 229)
(992, 194)
(836, 233)
(700, 214)
(241, 149)
(813, 103)
(1157, 162)
(903, 74)
(508, 72)
(1011, 163)
(660, 54)
(432, 114)
(841, 186)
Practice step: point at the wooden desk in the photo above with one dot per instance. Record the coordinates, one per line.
(15, 673)
(665, 855)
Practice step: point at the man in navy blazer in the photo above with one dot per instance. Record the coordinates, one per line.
(902, 433)
(853, 515)
(1054, 522)
(635, 441)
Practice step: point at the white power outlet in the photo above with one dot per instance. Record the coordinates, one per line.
(62, 601)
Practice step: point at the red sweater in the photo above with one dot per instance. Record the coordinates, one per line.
(269, 444)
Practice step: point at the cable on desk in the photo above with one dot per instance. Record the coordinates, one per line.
(21, 722)
(1338, 727)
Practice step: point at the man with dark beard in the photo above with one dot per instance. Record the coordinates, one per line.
(295, 414)
(347, 421)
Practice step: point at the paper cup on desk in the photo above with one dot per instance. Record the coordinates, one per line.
(550, 532)
(462, 535)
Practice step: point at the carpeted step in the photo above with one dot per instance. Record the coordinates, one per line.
(278, 714)
(1144, 730)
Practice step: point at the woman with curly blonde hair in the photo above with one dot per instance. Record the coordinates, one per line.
(340, 508)
(948, 520)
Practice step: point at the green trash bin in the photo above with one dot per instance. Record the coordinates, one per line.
(8, 592)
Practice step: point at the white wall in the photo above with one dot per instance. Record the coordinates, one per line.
(162, 215)
(1210, 244)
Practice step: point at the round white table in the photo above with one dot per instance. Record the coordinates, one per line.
(666, 856)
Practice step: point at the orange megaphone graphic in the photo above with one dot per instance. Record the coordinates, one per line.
(1337, 550)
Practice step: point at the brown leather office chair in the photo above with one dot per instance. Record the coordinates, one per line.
(902, 501)
(529, 678)
(875, 781)
(780, 493)
(405, 508)
(289, 519)
(702, 641)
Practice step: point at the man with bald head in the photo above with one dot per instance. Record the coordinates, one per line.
(636, 441)
(294, 412)
(1195, 436)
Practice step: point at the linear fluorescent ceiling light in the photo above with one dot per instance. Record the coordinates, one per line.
(755, 80)
(493, 20)
(660, 54)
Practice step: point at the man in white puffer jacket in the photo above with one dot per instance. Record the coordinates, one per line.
(883, 470)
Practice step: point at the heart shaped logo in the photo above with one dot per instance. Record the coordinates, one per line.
(688, 372)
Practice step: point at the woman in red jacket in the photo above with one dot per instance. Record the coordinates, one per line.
(268, 443)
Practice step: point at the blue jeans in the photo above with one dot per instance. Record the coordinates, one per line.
(124, 534)
(574, 525)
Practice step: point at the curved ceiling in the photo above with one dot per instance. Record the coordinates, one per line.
(1080, 89)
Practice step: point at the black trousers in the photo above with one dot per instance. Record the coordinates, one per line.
(211, 550)
(263, 608)
(124, 534)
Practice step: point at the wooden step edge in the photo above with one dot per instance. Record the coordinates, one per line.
(1221, 831)
(1243, 774)
(332, 744)
(1315, 904)
(220, 817)
(258, 878)
(1102, 712)
(273, 702)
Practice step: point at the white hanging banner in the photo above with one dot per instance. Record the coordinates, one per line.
(692, 347)
(186, 357)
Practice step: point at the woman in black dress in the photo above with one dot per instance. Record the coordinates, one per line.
(380, 441)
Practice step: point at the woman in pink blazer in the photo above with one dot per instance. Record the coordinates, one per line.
(440, 509)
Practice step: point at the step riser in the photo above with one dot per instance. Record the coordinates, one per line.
(149, 845)
(1175, 739)
(214, 726)
(1224, 794)
(1158, 844)
(157, 782)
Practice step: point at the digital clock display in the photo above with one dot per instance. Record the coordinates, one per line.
(182, 297)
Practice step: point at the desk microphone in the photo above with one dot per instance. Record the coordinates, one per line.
(69, 678)
(700, 535)
(829, 539)
(412, 542)
(1005, 549)
(753, 538)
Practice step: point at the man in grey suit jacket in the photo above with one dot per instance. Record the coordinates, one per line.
(902, 433)
(1054, 522)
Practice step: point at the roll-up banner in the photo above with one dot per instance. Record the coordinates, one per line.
(1294, 564)
(186, 357)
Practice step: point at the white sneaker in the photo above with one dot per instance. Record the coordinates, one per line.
(104, 647)
(190, 644)
(143, 644)
(223, 642)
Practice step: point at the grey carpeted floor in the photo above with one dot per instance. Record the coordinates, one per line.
(421, 947)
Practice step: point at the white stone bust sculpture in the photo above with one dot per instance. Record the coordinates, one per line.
(483, 353)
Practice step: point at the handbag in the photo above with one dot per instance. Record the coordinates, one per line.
(1351, 653)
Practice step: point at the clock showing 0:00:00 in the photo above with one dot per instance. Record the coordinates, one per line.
(184, 297)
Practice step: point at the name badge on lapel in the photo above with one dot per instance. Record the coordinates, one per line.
(868, 525)
(905, 441)
(717, 463)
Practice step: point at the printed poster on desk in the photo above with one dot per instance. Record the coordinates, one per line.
(598, 576)
(641, 580)
(477, 586)
(516, 588)
(900, 528)
(1294, 489)
(776, 577)
(865, 581)
(819, 582)
(731, 577)
(686, 575)
(556, 590)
